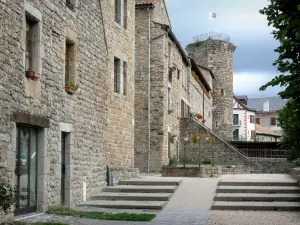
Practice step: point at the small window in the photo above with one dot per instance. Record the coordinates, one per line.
(118, 11)
(178, 74)
(273, 121)
(70, 5)
(117, 75)
(222, 92)
(169, 54)
(169, 99)
(70, 67)
(235, 119)
(124, 78)
(125, 14)
(216, 124)
(29, 46)
(257, 120)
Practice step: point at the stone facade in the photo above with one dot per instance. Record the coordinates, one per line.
(218, 56)
(165, 111)
(97, 121)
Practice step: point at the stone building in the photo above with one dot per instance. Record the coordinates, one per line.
(243, 119)
(217, 55)
(172, 85)
(55, 138)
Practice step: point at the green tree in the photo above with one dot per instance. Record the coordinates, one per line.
(284, 17)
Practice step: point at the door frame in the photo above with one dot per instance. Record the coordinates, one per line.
(28, 209)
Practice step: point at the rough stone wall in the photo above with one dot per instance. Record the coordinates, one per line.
(92, 112)
(120, 42)
(196, 101)
(218, 56)
(160, 14)
(162, 120)
(217, 151)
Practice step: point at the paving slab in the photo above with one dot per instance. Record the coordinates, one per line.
(253, 218)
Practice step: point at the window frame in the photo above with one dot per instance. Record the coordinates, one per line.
(117, 75)
(273, 119)
(29, 67)
(125, 77)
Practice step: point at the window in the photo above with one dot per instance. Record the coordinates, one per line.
(169, 99)
(70, 4)
(32, 47)
(124, 78)
(251, 119)
(222, 92)
(121, 12)
(252, 134)
(185, 109)
(257, 120)
(29, 45)
(235, 119)
(273, 121)
(70, 66)
(169, 54)
(236, 134)
(117, 75)
(178, 74)
(216, 124)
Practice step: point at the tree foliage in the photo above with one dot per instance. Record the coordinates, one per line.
(284, 16)
(8, 196)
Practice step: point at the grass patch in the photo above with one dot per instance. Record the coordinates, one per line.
(46, 223)
(66, 211)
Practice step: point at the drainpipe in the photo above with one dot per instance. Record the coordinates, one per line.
(149, 88)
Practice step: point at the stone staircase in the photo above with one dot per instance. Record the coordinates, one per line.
(135, 194)
(257, 195)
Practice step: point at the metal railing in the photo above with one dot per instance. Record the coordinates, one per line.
(213, 36)
(264, 153)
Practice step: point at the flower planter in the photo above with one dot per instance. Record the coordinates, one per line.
(70, 90)
(32, 75)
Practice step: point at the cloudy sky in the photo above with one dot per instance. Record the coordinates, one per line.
(247, 29)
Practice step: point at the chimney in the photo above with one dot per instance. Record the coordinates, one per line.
(266, 106)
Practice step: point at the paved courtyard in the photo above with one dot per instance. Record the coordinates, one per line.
(190, 205)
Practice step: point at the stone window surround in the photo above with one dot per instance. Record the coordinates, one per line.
(34, 15)
(71, 39)
(123, 58)
(75, 6)
(120, 13)
(43, 165)
(67, 128)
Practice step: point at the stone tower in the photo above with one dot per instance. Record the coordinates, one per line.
(216, 53)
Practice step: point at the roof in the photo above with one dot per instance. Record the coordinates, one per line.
(173, 38)
(151, 3)
(200, 73)
(276, 103)
(265, 131)
(246, 107)
(241, 96)
(208, 69)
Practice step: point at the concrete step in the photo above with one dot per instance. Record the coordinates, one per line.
(290, 182)
(239, 197)
(157, 205)
(258, 189)
(270, 206)
(150, 182)
(141, 189)
(133, 196)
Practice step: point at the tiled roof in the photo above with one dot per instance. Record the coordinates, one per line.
(275, 103)
(145, 2)
(262, 130)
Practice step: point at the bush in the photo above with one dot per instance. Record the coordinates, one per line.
(297, 162)
(173, 161)
(8, 196)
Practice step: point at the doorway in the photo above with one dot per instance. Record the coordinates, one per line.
(26, 168)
